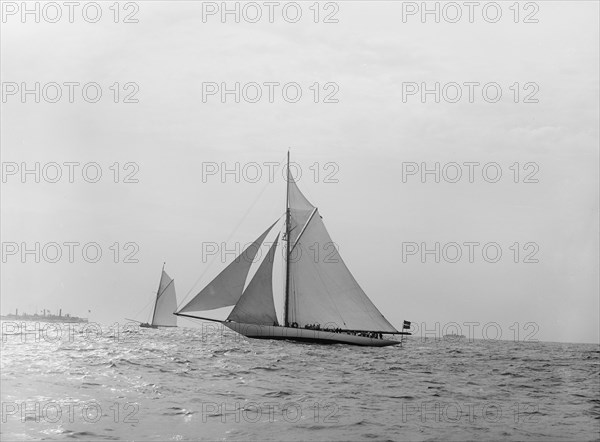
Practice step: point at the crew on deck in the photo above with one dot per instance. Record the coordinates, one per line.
(372, 335)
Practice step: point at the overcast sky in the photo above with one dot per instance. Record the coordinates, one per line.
(370, 134)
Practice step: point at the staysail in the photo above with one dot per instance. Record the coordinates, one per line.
(226, 289)
(322, 289)
(166, 303)
(256, 305)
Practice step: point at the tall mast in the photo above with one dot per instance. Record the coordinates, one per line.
(287, 253)
(157, 293)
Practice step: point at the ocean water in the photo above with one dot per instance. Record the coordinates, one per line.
(61, 382)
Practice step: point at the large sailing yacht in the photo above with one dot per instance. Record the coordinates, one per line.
(322, 302)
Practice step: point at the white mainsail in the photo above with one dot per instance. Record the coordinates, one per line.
(322, 289)
(256, 305)
(226, 289)
(166, 302)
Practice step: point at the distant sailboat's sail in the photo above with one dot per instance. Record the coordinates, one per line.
(256, 305)
(226, 289)
(322, 289)
(166, 302)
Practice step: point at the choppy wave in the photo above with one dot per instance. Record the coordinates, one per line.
(182, 384)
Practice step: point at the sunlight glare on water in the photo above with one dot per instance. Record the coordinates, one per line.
(185, 383)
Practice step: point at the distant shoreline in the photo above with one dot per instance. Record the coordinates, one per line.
(39, 318)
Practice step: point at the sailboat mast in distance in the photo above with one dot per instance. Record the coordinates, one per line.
(287, 252)
(166, 302)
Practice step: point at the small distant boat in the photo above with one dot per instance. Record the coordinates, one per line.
(46, 316)
(165, 304)
(322, 302)
(453, 336)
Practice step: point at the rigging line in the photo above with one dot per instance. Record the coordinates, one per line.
(210, 264)
(215, 257)
(165, 289)
(230, 236)
(296, 300)
(282, 279)
(146, 306)
(303, 229)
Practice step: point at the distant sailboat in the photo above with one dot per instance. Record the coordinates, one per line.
(322, 301)
(165, 304)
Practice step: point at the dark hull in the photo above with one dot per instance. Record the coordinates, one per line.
(305, 335)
